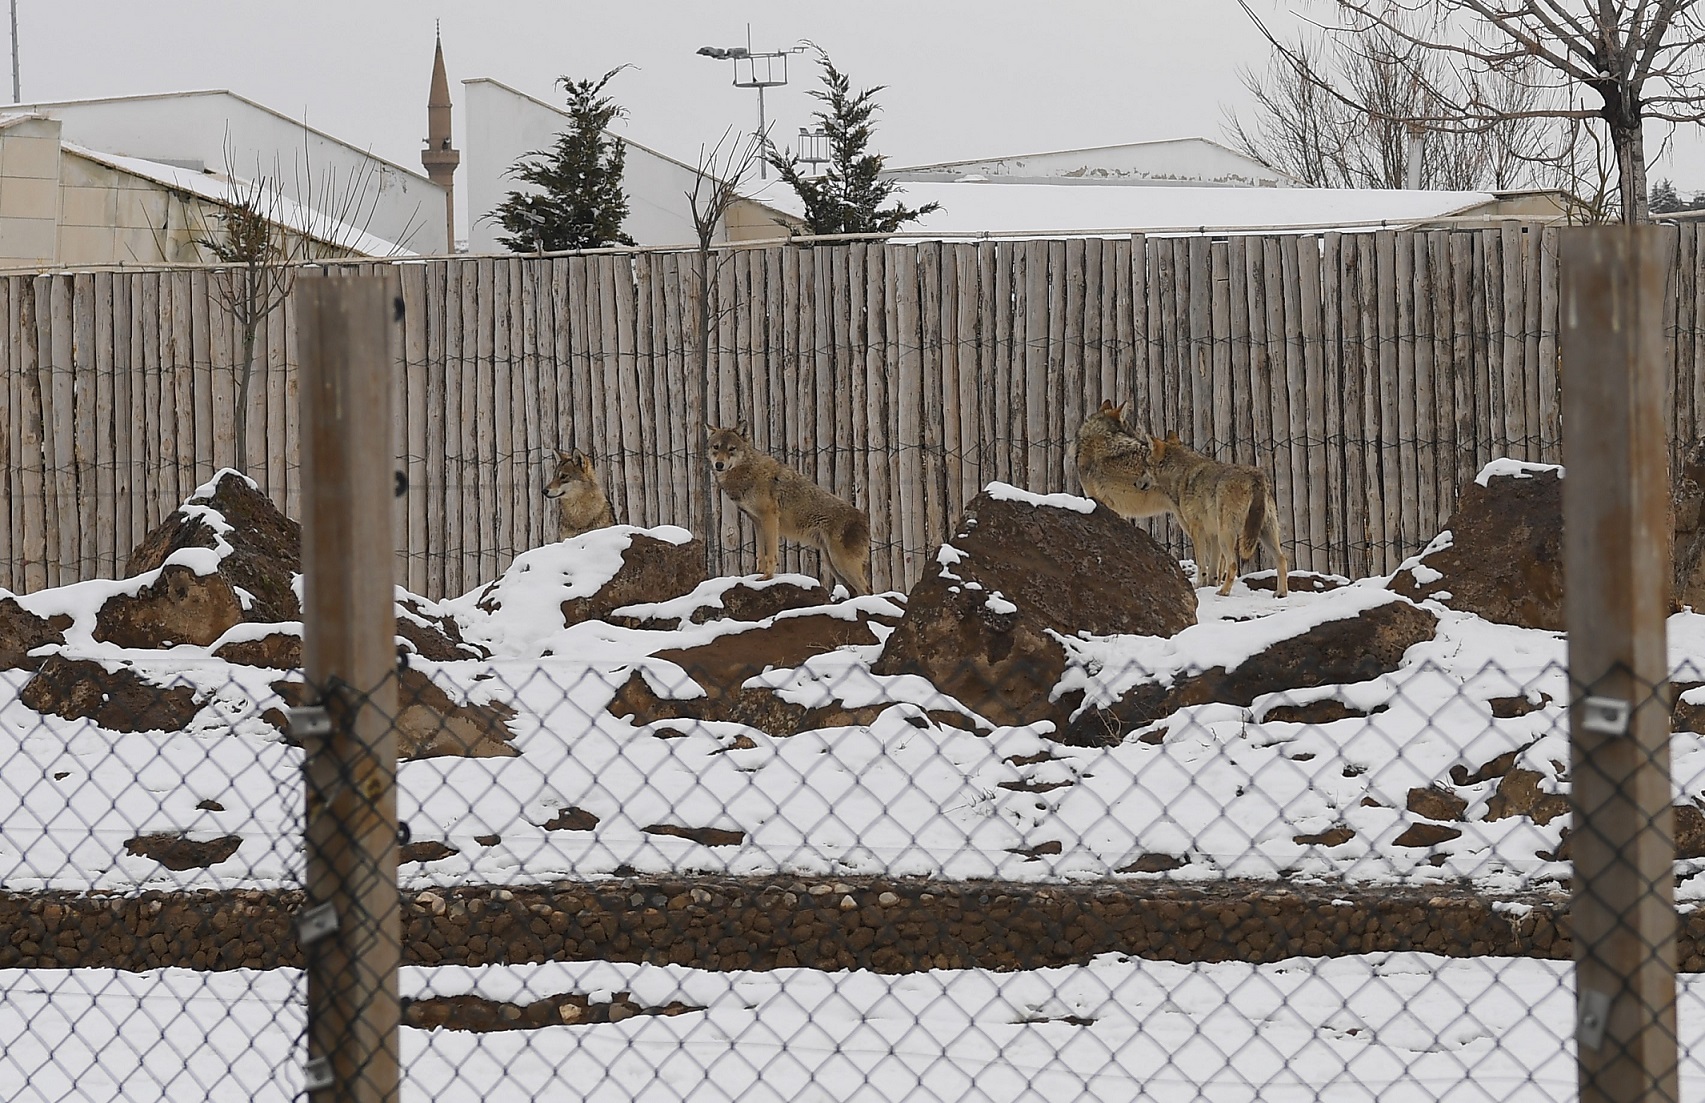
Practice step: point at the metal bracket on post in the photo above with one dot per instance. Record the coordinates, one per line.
(309, 722)
(1594, 1014)
(317, 1074)
(1606, 715)
(315, 923)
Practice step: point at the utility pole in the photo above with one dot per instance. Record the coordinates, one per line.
(17, 93)
(759, 70)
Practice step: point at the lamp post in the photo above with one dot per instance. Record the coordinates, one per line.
(759, 69)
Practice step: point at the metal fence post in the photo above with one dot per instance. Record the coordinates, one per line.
(1616, 554)
(350, 927)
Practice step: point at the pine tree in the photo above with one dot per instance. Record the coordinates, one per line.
(848, 197)
(580, 203)
(1664, 198)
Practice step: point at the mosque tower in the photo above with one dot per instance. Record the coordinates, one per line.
(439, 156)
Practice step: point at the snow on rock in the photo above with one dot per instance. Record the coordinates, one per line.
(1006, 492)
(1506, 468)
(986, 627)
(1503, 559)
(588, 577)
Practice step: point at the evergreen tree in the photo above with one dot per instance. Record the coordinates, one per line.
(580, 203)
(1664, 198)
(848, 198)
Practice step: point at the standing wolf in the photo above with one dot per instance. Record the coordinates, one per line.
(1112, 465)
(581, 505)
(785, 503)
(1225, 508)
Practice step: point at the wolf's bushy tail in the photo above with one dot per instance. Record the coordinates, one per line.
(1255, 520)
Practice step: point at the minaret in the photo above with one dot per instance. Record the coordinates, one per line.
(439, 157)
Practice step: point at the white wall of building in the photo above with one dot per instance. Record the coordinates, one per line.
(29, 191)
(503, 125)
(191, 129)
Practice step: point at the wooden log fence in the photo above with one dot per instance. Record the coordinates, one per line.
(1370, 374)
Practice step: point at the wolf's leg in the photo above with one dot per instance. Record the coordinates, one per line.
(769, 539)
(1270, 541)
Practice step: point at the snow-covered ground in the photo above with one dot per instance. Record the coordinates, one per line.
(1386, 1027)
(1225, 790)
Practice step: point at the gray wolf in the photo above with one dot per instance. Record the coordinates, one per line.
(1112, 465)
(581, 504)
(1225, 508)
(782, 502)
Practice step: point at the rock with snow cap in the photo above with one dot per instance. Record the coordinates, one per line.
(1502, 556)
(1021, 570)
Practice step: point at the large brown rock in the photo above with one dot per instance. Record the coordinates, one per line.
(22, 632)
(652, 570)
(1333, 652)
(118, 700)
(181, 606)
(428, 723)
(1504, 561)
(748, 598)
(980, 623)
(721, 667)
(262, 548)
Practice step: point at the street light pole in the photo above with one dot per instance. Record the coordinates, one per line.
(772, 74)
(17, 93)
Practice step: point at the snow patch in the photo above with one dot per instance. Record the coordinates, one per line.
(1516, 469)
(1006, 492)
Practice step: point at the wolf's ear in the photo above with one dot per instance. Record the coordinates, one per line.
(1107, 407)
(1172, 437)
(1118, 412)
(564, 457)
(583, 458)
(743, 429)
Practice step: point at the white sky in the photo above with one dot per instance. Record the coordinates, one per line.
(964, 78)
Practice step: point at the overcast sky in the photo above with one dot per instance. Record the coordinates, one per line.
(965, 78)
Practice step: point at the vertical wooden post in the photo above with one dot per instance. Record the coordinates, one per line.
(350, 927)
(1616, 556)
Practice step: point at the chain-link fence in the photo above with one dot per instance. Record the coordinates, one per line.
(683, 874)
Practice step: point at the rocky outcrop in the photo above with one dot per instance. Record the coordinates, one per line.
(428, 723)
(181, 606)
(721, 667)
(119, 700)
(1019, 571)
(747, 598)
(1333, 652)
(261, 548)
(22, 632)
(1503, 556)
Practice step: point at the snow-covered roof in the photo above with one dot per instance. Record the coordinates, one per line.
(970, 208)
(1172, 162)
(218, 188)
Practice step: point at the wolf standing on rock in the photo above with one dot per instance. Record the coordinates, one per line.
(785, 503)
(1225, 508)
(581, 504)
(1113, 466)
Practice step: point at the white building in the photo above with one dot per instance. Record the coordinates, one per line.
(502, 125)
(121, 163)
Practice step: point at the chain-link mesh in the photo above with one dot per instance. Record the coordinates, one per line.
(683, 875)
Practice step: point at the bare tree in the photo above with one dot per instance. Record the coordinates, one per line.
(261, 238)
(1349, 113)
(1611, 63)
(717, 177)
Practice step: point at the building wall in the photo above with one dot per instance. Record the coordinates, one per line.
(193, 128)
(29, 192)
